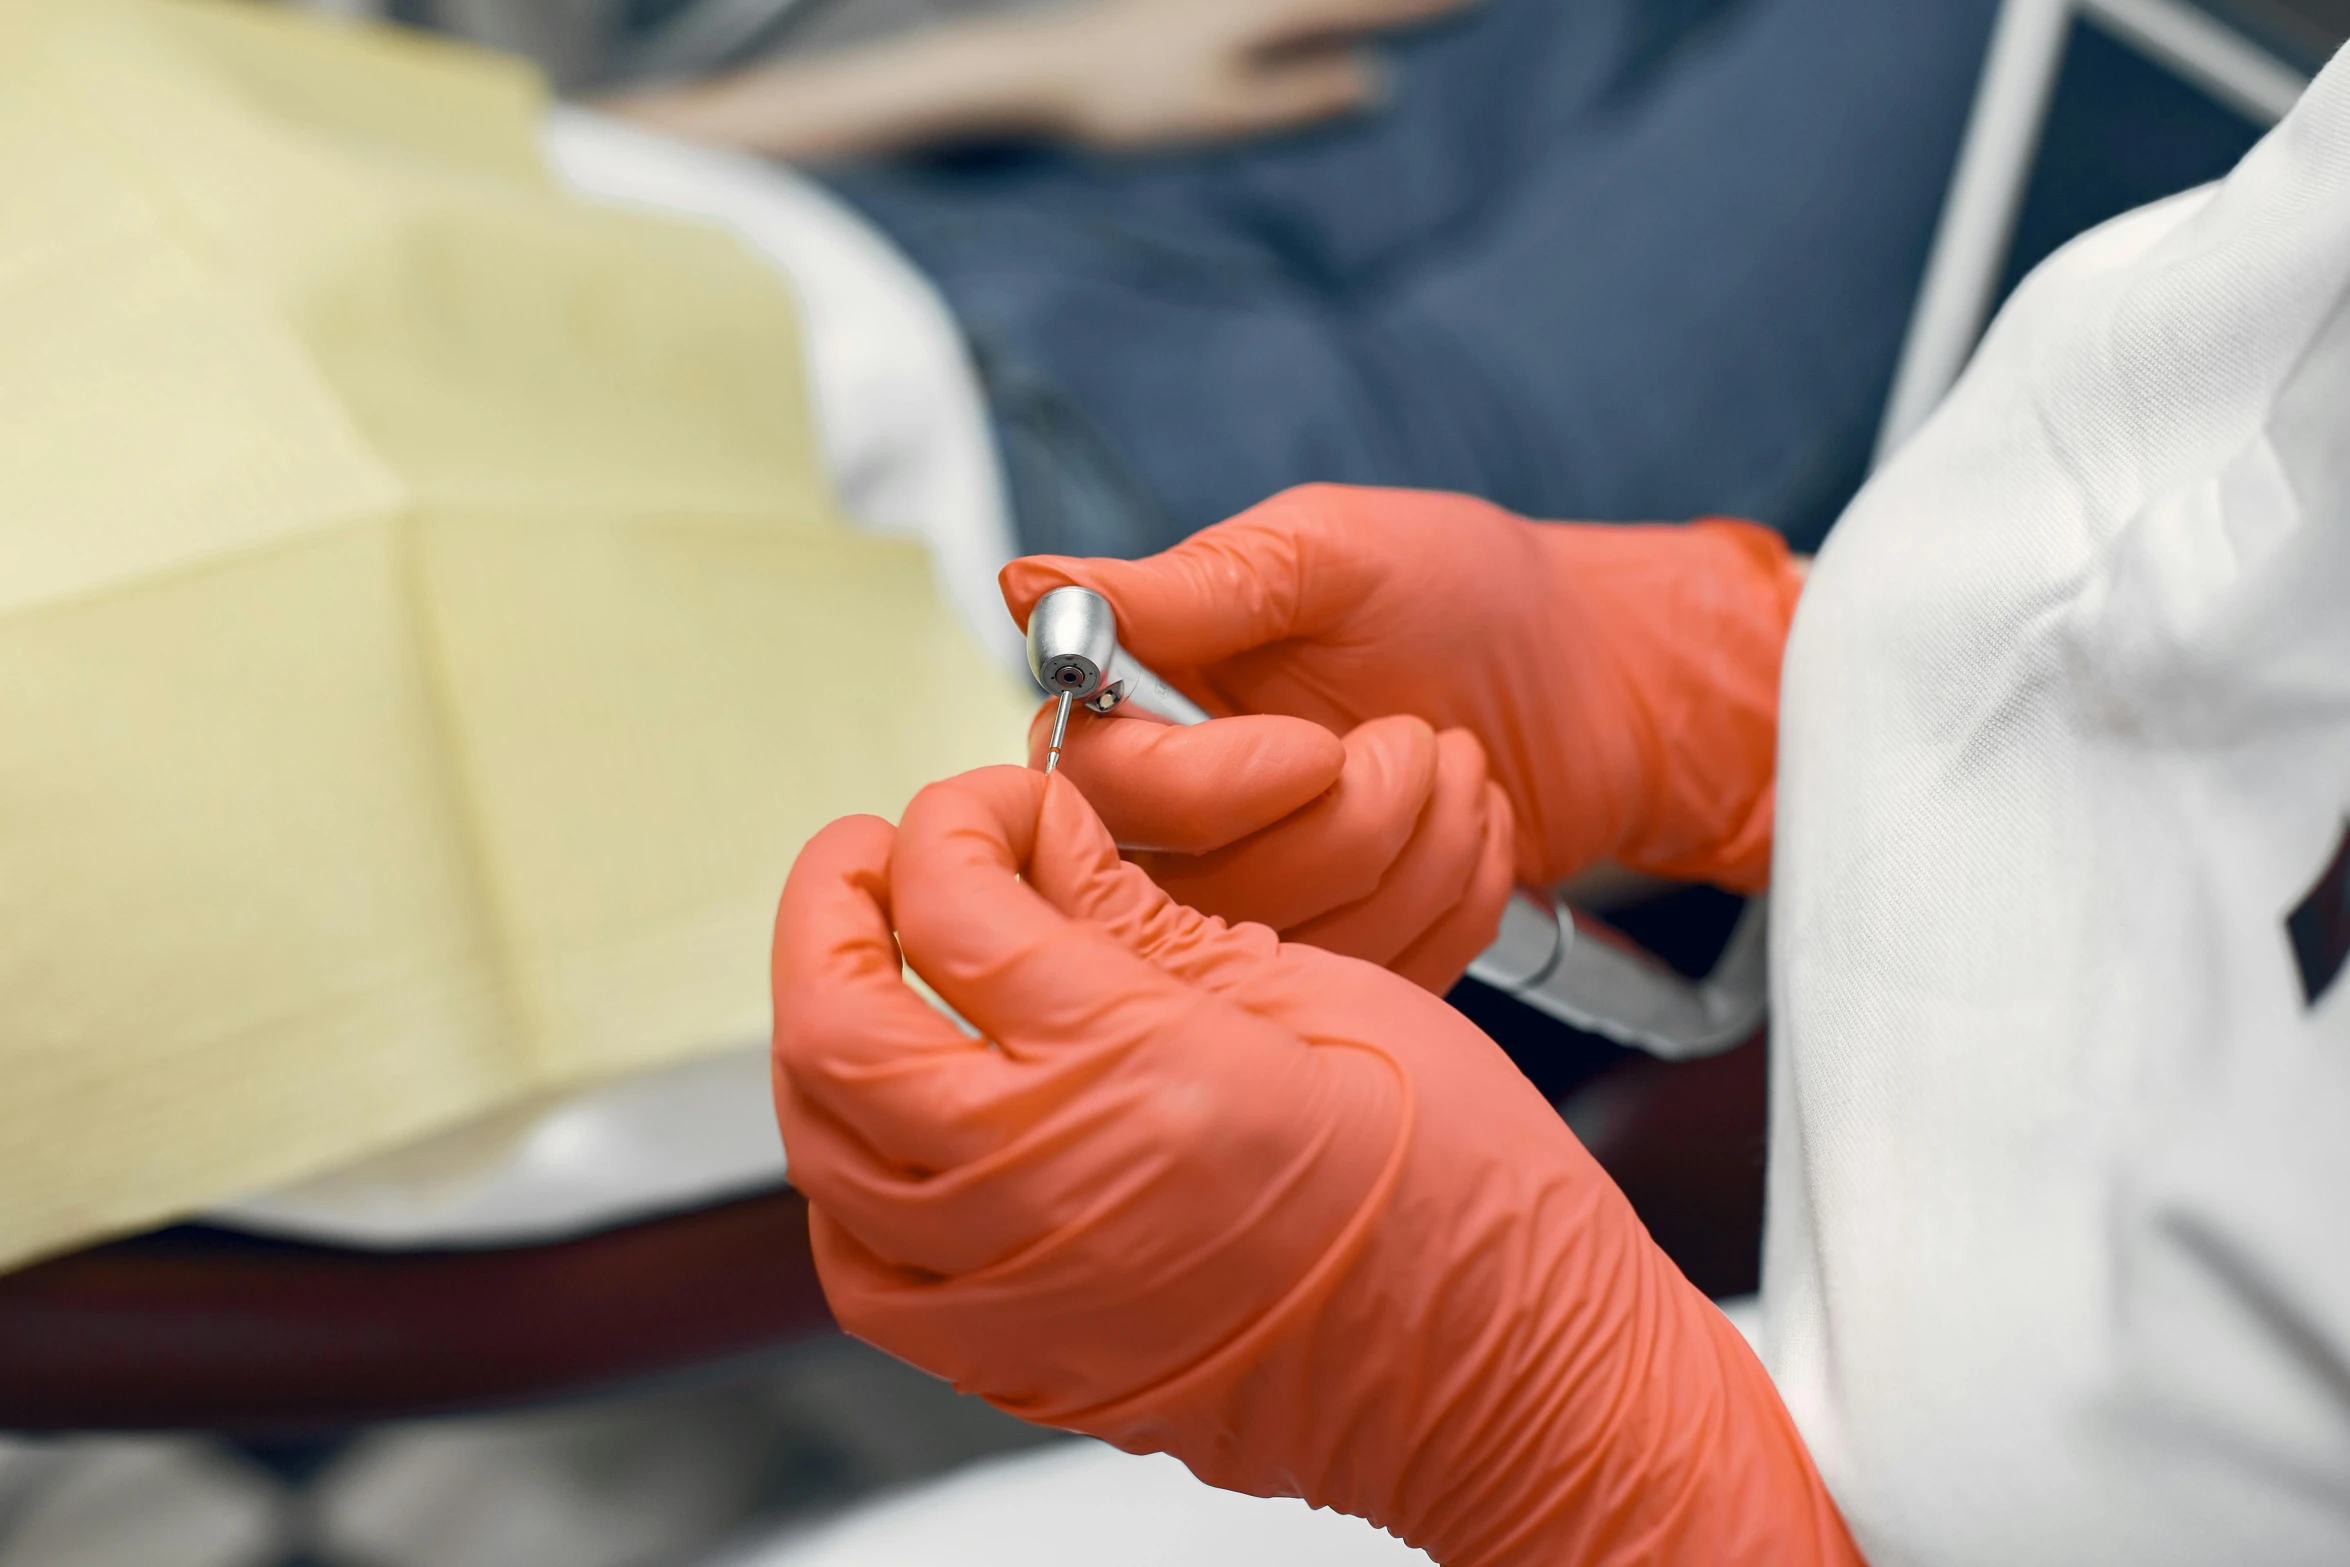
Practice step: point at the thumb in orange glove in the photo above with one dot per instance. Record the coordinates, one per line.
(1276, 1211)
(1622, 682)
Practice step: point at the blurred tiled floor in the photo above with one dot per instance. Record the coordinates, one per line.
(662, 1478)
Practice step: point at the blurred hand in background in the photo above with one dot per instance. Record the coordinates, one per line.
(1116, 75)
(1141, 73)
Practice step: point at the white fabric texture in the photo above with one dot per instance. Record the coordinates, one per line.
(694, 1132)
(899, 408)
(1081, 1504)
(2058, 1265)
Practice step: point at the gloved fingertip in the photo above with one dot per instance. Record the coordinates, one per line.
(1004, 795)
(973, 920)
(1461, 749)
(1070, 837)
(1403, 750)
(1496, 878)
(1031, 577)
(961, 843)
(838, 890)
(842, 1008)
(844, 841)
(1406, 728)
(1076, 868)
(1442, 954)
(1502, 815)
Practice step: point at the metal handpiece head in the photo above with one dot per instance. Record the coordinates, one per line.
(1073, 652)
(1072, 642)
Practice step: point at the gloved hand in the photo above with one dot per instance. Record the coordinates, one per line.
(1623, 681)
(1275, 1211)
(1391, 844)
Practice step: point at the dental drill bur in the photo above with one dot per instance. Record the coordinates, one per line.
(1074, 655)
(1052, 755)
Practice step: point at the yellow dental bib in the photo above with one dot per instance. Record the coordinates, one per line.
(425, 636)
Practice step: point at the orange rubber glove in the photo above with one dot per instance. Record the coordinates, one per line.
(1623, 681)
(1278, 1212)
(1391, 844)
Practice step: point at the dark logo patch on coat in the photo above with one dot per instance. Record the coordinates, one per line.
(2320, 927)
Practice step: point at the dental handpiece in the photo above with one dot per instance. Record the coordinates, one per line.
(1073, 652)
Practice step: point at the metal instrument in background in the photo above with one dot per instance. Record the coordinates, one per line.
(1590, 978)
(1540, 957)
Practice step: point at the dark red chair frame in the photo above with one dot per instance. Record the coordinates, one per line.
(192, 1328)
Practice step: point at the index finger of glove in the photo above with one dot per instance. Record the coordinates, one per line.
(897, 1125)
(1044, 986)
(1262, 577)
(851, 1039)
(1192, 789)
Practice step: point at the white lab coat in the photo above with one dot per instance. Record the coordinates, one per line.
(2058, 1266)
